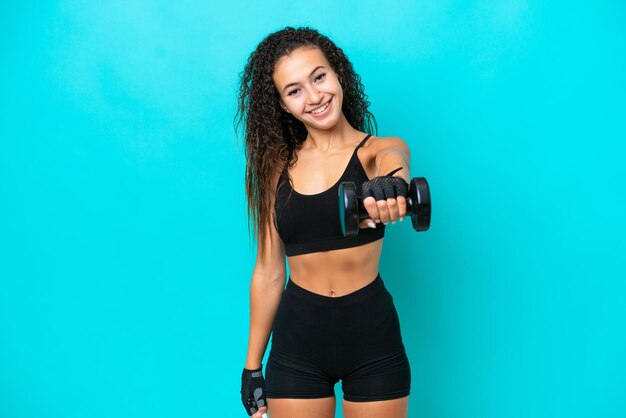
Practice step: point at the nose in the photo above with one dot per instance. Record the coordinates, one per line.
(315, 96)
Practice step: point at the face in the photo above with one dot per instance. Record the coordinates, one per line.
(308, 87)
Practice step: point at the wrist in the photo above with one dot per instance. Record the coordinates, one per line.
(391, 173)
(253, 362)
(252, 367)
(400, 172)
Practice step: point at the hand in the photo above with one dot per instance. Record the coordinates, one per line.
(384, 199)
(253, 392)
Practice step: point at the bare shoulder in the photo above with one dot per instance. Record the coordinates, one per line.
(275, 177)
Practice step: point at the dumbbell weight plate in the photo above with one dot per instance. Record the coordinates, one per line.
(348, 209)
(420, 192)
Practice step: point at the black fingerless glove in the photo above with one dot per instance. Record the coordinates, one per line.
(384, 187)
(253, 389)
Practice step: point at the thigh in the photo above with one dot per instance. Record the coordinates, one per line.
(301, 408)
(375, 364)
(380, 379)
(393, 408)
(301, 359)
(293, 376)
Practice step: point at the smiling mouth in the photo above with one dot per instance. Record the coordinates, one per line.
(320, 109)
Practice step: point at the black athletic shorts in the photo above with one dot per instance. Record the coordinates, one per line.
(318, 340)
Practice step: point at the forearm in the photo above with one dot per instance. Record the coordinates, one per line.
(265, 296)
(388, 161)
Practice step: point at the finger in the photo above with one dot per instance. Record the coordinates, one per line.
(254, 408)
(369, 203)
(401, 206)
(258, 397)
(383, 210)
(378, 193)
(392, 206)
(388, 190)
(261, 413)
(401, 189)
(367, 223)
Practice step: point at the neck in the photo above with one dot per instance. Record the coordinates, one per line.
(326, 140)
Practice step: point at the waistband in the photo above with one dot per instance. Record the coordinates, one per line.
(358, 296)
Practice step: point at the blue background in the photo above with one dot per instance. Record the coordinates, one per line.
(124, 254)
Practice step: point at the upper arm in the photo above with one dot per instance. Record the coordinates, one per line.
(272, 264)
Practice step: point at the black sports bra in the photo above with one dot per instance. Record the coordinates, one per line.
(310, 223)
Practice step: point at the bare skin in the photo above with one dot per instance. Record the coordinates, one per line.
(305, 81)
(335, 272)
(325, 408)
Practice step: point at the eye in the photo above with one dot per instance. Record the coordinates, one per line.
(319, 77)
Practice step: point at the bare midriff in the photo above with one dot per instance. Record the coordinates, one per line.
(336, 272)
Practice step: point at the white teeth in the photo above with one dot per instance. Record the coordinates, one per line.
(321, 109)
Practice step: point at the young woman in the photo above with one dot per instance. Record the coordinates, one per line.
(306, 117)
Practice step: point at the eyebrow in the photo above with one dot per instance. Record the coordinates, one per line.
(314, 70)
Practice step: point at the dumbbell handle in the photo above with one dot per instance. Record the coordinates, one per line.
(363, 214)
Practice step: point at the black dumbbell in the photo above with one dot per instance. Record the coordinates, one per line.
(352, 211)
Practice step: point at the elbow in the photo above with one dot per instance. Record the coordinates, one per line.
(277, 278)
(270, 276)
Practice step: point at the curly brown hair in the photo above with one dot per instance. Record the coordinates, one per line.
(272, 136)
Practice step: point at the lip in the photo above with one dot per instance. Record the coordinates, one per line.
(325, 112)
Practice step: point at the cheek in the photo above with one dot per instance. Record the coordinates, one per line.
(290, 104)
(339, 90)
(297, 104)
